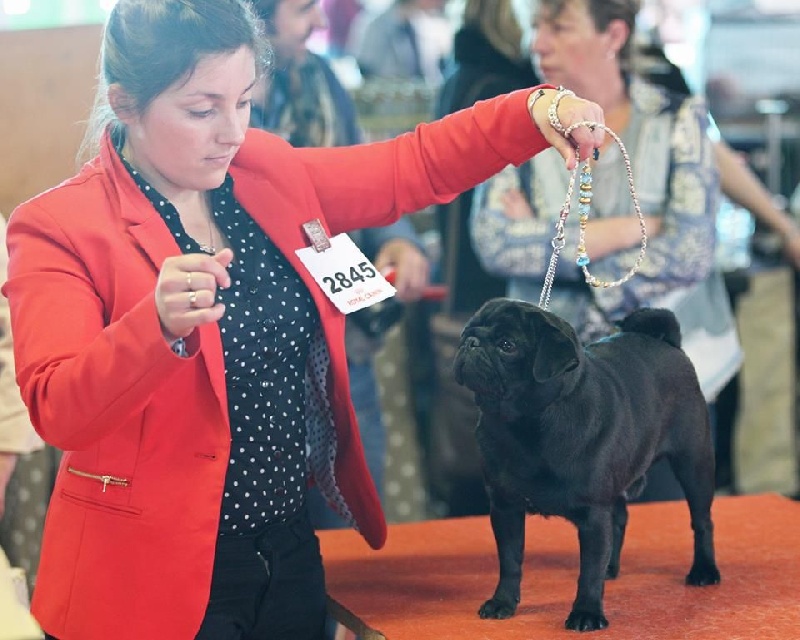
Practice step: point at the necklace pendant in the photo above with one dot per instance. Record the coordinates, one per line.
(209, 249)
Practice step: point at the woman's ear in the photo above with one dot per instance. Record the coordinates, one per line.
(122, 104)
(618, 33)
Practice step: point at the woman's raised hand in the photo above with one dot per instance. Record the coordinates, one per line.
(569, 110)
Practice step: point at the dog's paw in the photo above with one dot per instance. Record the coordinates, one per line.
(497, 609)
(586, 621)
(702, 575)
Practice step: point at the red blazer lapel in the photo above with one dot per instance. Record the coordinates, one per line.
(283, 222)
(149, 231)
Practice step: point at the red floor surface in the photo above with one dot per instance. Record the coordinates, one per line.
(430, 579)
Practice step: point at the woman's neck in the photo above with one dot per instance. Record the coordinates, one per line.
(194, 208)
(613, 98)
(181, 199)
(611, 93)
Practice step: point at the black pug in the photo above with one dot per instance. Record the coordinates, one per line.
(570, 431)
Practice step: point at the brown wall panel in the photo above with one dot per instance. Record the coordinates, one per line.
(47, 80)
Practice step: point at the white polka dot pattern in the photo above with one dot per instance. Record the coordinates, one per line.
(276, 366)
(266, 331)
(320, 430)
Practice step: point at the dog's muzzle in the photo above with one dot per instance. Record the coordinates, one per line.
(474, 369)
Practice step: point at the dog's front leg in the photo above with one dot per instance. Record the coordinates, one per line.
(508, 524)
(594, 534)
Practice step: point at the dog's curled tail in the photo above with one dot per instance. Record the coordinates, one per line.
(658, 323)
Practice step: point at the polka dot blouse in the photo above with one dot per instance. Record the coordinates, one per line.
(266, 332)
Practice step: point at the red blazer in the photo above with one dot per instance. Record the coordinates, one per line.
(130, 533)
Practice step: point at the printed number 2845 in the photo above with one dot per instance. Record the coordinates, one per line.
(340, 280)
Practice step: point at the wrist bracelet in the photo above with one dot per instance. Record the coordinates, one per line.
(179, 348)
(532, 98)
(552, 110)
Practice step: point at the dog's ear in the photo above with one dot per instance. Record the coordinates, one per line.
(557, 346)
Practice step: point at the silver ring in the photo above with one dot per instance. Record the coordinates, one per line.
(192, 299)
(189, 280)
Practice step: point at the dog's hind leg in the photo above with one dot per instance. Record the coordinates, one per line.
(619, 521)
(595, 537)
(508, 524)
(695, 473)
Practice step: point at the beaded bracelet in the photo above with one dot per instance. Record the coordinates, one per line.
(552, 110)
(584, 208)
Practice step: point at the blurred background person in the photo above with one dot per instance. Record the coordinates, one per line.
(303, 101)
(410, 40)
(16, 433)
(585, 45)
(488, 59)
(26, 467)
(756, 426)
(669, 53)
(340, 14)
(24, 494)
(17, 438)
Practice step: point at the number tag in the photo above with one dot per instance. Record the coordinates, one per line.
(345, 275)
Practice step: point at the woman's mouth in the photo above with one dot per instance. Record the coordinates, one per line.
(220, 160)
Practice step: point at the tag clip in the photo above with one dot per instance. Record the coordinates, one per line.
(316, 234)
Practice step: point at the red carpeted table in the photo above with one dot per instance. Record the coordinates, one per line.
(430, 579)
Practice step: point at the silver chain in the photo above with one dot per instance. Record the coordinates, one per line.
(559, 242)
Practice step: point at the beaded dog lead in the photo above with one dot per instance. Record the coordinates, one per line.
(584, 207)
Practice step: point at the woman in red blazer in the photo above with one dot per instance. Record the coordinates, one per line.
(194, 393)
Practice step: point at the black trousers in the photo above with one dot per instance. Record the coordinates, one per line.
(269, 586)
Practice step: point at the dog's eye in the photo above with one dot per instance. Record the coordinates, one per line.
(506, 346)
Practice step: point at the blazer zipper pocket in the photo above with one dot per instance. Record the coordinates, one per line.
(106, 480)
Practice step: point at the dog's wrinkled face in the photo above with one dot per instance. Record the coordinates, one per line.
(509, 349)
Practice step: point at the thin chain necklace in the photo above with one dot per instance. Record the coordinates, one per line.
(211, 247)
(584, 206)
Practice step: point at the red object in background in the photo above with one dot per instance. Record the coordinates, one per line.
(340, 14)
(433, 292)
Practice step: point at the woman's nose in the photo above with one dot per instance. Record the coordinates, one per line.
(234, 127)
(539, 42)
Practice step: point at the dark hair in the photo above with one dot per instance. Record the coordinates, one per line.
(603, 12)
(148, 45)
(265, 10)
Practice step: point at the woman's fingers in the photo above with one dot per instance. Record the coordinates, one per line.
(586, 139)
(186, 291)
(569, 111)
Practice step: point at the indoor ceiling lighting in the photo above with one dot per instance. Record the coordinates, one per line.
(16, 7)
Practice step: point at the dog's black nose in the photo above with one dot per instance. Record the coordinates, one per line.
(471, 342)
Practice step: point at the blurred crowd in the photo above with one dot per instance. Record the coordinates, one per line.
(645, 67)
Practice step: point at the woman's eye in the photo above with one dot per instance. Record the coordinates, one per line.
(201, 114)
(244, 104)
